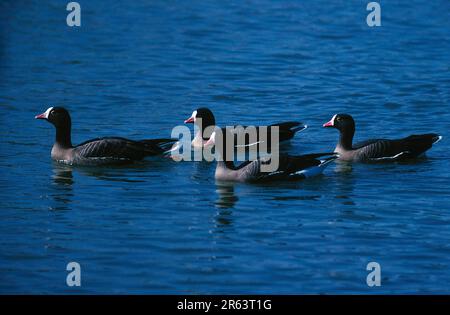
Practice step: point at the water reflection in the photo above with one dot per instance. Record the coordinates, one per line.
(343, 167)
(227, 198)
(224, 218)
(62, 175)
(345, 183)
(63, 179)
(131, 173)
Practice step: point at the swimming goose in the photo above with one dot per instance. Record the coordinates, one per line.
(289, 167)
(204, 115)
(100, 151)
(377, 149)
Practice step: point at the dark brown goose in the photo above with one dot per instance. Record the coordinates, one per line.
(100, 151)
(289, 167)
(377, 149)
(204, 115)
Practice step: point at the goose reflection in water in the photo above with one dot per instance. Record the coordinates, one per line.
(227, 198)
(62, 175)
(344, 183)
(63, 180)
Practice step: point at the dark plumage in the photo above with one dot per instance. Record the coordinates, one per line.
(377, 149)
(100, 151)
(289, 167)
(205, 120)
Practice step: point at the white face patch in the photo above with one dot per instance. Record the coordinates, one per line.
(213, 137)
(47, 112)
(211, 140)
(194, 115)
(332, 119)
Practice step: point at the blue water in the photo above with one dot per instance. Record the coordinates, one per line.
(138, 69)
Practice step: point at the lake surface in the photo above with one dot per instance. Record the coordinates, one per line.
(139, 69)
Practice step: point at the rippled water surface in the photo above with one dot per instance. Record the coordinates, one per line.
(138, 69)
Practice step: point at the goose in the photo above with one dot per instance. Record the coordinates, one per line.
(203, 118)
(289, 167)
(377, 149)
(99, 151)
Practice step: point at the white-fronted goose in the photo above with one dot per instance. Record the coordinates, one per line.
(289, 167)
(287, 130)
(100, 151)
(377, 149)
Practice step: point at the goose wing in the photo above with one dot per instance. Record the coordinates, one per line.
(111, 148)
(408, 147)
(289, 167)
